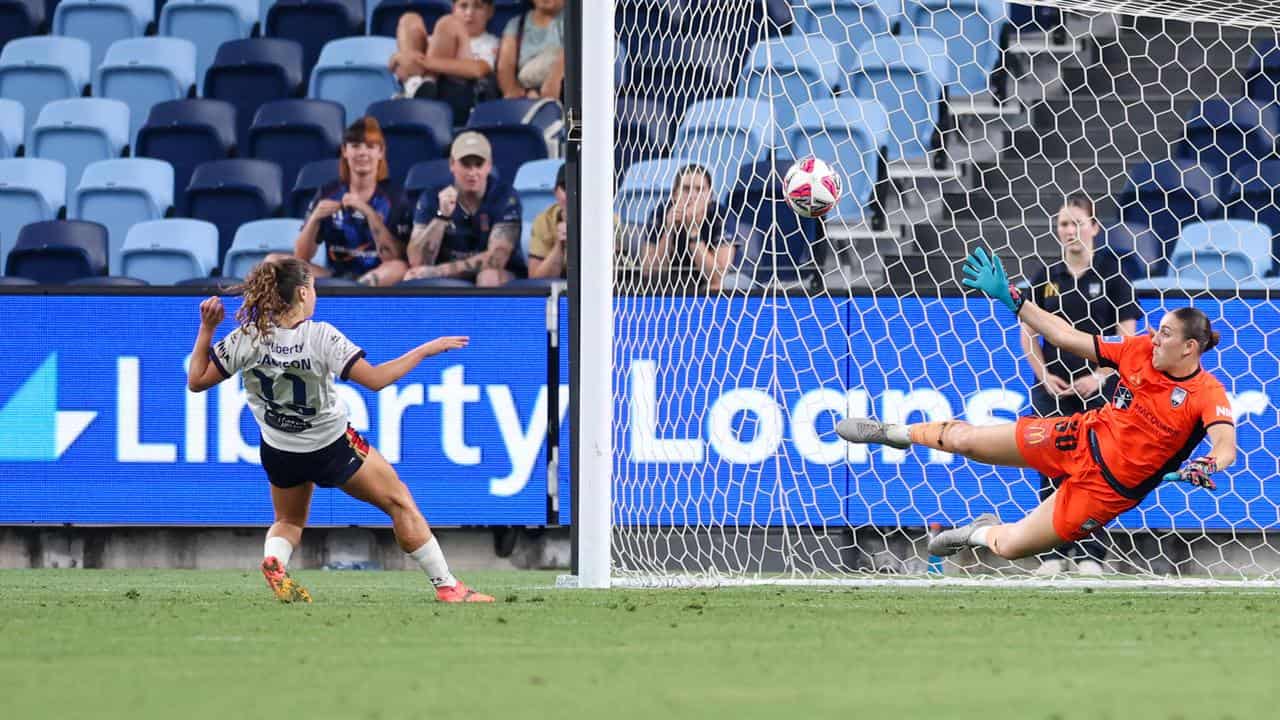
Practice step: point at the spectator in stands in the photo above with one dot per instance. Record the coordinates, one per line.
(469, 229)
(531, 57)
(547, 249)
(455, 63)
(361, 220)
(1088, 289)
(686, 240)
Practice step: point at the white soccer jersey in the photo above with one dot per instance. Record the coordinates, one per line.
(289, 381)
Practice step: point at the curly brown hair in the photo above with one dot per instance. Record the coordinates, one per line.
(270, 290)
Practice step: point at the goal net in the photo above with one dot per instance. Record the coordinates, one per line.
(743, 333)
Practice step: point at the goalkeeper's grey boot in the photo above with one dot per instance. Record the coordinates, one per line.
(950, 542)
(866, 430)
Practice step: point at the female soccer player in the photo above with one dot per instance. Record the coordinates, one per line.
(288, 362)
(1109, 458)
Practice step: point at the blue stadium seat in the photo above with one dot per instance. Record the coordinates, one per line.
(119, 193)
(141, 72)
(723, 134)
(503, 11)
(185, 134)
(1262, 79)
(907, 77)
(1164, 196)
(31, 190)
(229, 193)
(1227, 135)
(646, 185)
(384, 15)
(6, 281)
(255, 240)
(513, 144)
(80, 131)
(164, 252)
(102, 22)
(536, 185)
(313, 23)
(847, 23)
(682, 69)
(1256, 197)
(1218, 255)
(59, 251)
(643, 129)
(38, 70)
(208, 24)
(415, 130)
(250, 73)
(109, 281)
(353, 73)
(848, 133)
(1140, 250)
(12, 127)
(313, 176)
(791, 71)
(971, 30)
(777, 244)
(20, 18)
(292, 133)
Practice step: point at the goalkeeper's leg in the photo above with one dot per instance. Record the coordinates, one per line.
(1029, 536)
(991, 444)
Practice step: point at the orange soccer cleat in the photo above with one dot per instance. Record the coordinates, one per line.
(282, 585)
(461, 593)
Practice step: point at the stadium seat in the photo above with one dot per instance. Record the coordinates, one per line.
(38, 70)
(12, 127)
(1262, 79)
(20, 18)
(384, 15)
(847, 23)
(58, 251)
(971, 30)
(292, 133)
(6, 281)
(119, 193)
(723, 134)
(777, 243)
(1256, 197)
(208, 24)
(210, 284)
(164, 252)
(353, 73)
(80, 131)
(229, 193)
(907, 77)
(849, 133)
(1140, 250)
(251, 73)
(519, 130)
(31, 190)
(683, 69)
(141, 72)
(313, 23)
(1217, 255)
(642, 131)
(185, 134)
(102, 22)
(415, 130)
(536, 185)
(255, 240)
(1164, 196)
(791, 71)
(336, 282)
(109, 281)
(646, 185)
(313, 176)
(1228, 135)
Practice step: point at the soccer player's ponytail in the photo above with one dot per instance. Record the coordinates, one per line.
(270, 291)
(1196, 326)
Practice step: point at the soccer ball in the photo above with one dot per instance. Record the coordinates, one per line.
(812, 188)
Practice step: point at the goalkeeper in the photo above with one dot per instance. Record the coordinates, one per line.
(1109, 458)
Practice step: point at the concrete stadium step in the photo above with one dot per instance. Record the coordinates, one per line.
(1036, 207)
(1011, 175)
(1120, 74)
(954, 239)
(938, 271)
(1172, 45)
(1095, 144)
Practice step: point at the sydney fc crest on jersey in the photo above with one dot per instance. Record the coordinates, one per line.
(1177, 397)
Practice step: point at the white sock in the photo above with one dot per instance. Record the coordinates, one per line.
(431, 559)
(279, 548)
(898, 433)
(979, 537)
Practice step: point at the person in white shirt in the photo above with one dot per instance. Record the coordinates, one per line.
(288, 362)
(455, 63)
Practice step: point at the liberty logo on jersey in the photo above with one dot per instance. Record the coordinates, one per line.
(32, 428)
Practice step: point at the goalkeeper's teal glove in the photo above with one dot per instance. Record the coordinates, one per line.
(1197, 473)
(987, 274)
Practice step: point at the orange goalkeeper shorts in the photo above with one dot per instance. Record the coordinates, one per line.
(1058, 448)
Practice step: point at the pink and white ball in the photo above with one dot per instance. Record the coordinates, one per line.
(812, 188)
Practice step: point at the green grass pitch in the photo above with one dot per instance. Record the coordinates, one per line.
(199, 644)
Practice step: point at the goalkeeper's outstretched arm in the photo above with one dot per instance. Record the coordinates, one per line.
(1057, 331)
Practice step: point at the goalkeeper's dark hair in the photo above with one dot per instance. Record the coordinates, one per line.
(1196, 326)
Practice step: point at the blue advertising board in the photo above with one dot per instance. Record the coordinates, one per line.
(726, 414)
(97, 426)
